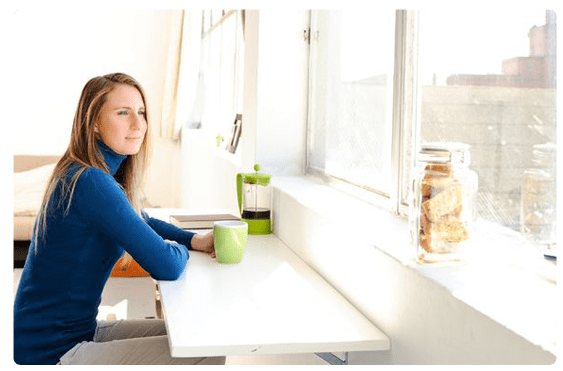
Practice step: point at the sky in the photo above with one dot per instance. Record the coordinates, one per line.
(473, 41)
(451, 41)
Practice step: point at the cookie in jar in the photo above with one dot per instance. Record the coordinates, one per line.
(443, 202)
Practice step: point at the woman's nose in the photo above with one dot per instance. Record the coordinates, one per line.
(137, 122)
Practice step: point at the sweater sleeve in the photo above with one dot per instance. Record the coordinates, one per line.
(105, 207)
(169, 231)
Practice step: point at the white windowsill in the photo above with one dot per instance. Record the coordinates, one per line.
(508, 283)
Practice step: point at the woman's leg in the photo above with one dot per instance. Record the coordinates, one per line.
(127, 329)
(140, 342)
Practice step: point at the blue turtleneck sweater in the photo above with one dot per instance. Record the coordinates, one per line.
(62, 281)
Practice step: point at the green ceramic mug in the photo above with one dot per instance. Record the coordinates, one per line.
(230, 239)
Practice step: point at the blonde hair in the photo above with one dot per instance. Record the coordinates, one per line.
(83, 151)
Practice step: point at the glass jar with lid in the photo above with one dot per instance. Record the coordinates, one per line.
(538, 217)
(443, 210)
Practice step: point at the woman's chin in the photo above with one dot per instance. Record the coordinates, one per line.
(131, 148)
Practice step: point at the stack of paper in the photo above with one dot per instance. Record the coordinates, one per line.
(199, 221)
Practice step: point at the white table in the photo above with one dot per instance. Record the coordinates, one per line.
(269, 303)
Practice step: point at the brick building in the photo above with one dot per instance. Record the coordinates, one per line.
(537, 70)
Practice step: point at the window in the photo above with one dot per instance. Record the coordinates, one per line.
(222, 50)
(351, 108)
(383, 82)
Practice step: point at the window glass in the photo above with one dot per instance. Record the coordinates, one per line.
(222, 71)
(488, 79)
(216, 15)
(206, 18)
(352, 56)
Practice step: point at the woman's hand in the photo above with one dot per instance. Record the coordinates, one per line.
(204, 242)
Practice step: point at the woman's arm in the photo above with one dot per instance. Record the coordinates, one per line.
(198, 242)
(169, 231)
(105, 207)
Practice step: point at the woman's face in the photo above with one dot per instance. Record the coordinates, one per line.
(123, 124)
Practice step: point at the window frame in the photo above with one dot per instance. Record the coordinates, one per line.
(404, 121)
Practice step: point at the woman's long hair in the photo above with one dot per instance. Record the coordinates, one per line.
(84, 153)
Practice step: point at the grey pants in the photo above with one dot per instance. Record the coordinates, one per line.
(131, 342)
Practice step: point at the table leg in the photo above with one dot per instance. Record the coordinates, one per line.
(157, 302)
(334, 360)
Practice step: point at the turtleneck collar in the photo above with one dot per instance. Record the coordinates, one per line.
(112, 158)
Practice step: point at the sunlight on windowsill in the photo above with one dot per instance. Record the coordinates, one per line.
(503, 277)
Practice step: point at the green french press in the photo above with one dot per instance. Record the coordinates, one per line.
(253, 193)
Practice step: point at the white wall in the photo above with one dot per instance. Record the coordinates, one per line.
(57, 51)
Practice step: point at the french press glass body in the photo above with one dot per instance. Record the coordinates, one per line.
(253, 192)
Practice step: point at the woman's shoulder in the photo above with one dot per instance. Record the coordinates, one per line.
(94, 185)
(88, 173)
(94, 177)
(92, 171)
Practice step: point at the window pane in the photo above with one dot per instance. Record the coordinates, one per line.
(216, 15)
(488, 79)
(206, 20)
(351, 99)
(222, 70)
(211, 61)
(239, 64)
(226, 100)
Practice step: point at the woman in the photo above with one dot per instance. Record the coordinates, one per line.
(90, 215)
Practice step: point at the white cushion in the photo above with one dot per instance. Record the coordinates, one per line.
(29, 189)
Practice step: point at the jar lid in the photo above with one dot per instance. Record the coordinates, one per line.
(444, 152)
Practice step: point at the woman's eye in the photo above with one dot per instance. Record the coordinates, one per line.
(122, 113)
(143, 113)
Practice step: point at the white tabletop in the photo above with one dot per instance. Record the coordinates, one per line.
(269, 303)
